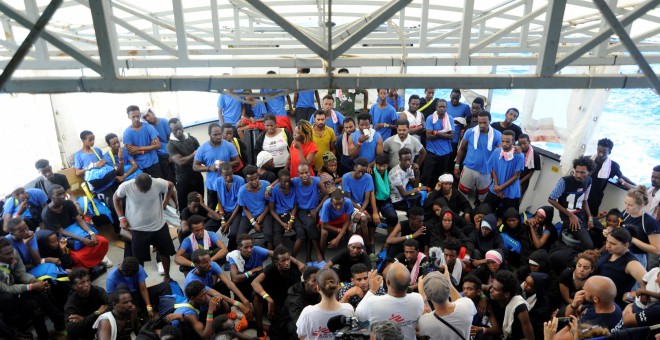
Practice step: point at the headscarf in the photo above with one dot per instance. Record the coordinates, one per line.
(45, 250)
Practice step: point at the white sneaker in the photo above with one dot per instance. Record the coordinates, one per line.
(106, 262)
(161, 270)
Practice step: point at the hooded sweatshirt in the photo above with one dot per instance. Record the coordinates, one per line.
(492, 241)
(542, 309)
(437, 234)
(519, 234)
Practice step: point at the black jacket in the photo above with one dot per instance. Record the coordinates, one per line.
(298, 299)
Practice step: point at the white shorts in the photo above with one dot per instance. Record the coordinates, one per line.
(471, 179)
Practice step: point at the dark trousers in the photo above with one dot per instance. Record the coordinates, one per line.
(212, 199)
(387, 210)
(434, 166)
(18, 309)
(155, 292)
(582, 234)
(154, 171)
(500, 205)
(186, 185)
(166, 168)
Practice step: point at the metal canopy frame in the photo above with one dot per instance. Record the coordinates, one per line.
(428, 43)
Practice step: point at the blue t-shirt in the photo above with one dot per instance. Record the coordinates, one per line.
(22, 249)
(368, 149)
(276, 104)
(438, 147)
(307, 196)
(462, 110)
(228, 197)
(163, 130)
(259, 110)
(259, 255)
(142, 137)
(357, 188)
(385, 115)
(206, 154)
(114, 159)
(82, 160)
(231, 108)
(505, 170)
(477, 159)
(207, 279)
(400, 104)
(283, 203)
(187, 246)
(37, 199)
(330, 123)
(329, 214)
(183, 310)
(255, 202)
(116, 278)
(306, 99)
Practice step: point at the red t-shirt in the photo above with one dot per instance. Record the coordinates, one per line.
(295, 157)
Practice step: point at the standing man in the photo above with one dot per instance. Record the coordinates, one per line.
(414, 117)
(404, 139)
(457, 312)
(477, 146)
(208, 158)
(345, 98)
(163, 130)
(505, 167)
(146, 198)
(439, 134)
(333, 119)
(397, 305)
(532, 161)
(428, 104)
(181, 148)
(324, 137)
(366, 142)
(510, 117)
(395, 100)
(142, 142)
(605, 169)
(230, 109)
(570, 196)
(383, 115)
(303, 101)
(460, 113)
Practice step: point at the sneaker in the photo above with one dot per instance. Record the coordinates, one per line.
(241, 325)
(231, 315)
(161, 270)
(107, 262)
(320, 265)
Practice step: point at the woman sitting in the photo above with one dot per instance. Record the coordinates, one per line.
(571, 280)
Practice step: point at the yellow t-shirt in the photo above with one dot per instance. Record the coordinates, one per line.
(323, 142)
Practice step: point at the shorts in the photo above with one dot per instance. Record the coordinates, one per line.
(160, 239)
(338, 223)
(471, 179)
(306, 226)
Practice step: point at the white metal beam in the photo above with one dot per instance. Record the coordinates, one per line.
(424, 24)
(554, 22)
(179, 23)
(32, 11)
(144, 35)
(101, 16)
(601, 49)
(630, 45)
(466, 30)
(493, 37)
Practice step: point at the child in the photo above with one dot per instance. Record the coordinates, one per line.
(328, 174)
(649, 292)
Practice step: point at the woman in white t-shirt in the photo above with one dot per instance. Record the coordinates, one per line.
(313, 321)
(274, 140)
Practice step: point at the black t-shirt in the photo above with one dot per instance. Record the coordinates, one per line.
(277, 284)
(345, 262)
(429, 109)
(84, 307)
(268, 176)
(54, 221)
(185, 213)
(536, 165)
(513, 127)
(422, 239)
(184, 148)
(516, 328)
(566, 278)
(43, 184)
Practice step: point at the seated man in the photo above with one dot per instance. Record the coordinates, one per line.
(406, 190)
(199, 239)
(21, 295)
(186, 315)
(445, 194)
(359, 188)
(414, 260)
(86, 302)
(49, 177)
(412, 228)
(120, 321)
(23, 240)
(196, 206)
(246, 263)
(271, 287)
(211, 275)
(282, 202)
(227, 186)
(595, 305)
(505, 300)
(335, 218)
(354, 291)
(251, 197)
(347, 258)
(457, 269)
(299, 296)
(382, 191)
(131, 276)
(308, 190)
(27, 204)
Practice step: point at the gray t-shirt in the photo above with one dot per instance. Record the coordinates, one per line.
(393, 144)
(461, 319)
(144, 210)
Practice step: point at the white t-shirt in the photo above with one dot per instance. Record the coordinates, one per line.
(313, 322)
(144, 210)
(277, 146)
(404, 310)
(651, 286)
(461, 319)
(653, 201)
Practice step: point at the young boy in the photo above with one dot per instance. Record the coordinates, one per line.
(335, 218)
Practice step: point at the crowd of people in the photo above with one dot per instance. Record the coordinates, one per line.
(464, 262)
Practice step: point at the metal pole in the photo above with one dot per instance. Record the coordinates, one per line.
(25, 47)
(329, 26)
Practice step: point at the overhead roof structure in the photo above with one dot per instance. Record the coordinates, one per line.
(129, 46)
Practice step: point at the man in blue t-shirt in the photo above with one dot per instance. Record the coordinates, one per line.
(208, 158)
(303, 101)
(163, 130)
(199, 238)
(460, 112)
(246, 262)
(365, 142)
(359, 187)
(252, 198)
(439, 128)
(309, 193)
(230, 109)
(186, 314)
(335, 217)
(27, 204)
(227, 186)
(141, 141)
(130, 275)
(505, 166)
(383, 115)
(477, 146)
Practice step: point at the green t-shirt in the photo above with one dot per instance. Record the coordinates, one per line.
(345, 103)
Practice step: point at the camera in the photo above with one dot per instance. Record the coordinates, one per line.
(346, 327)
